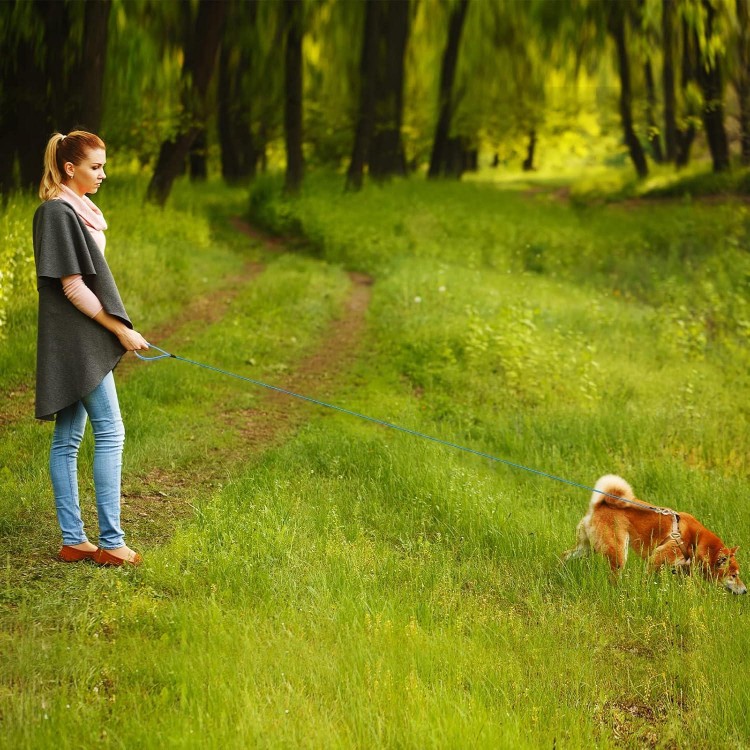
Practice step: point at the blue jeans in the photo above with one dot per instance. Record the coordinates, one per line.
(103, 410)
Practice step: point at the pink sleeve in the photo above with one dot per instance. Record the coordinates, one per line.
(81, 296)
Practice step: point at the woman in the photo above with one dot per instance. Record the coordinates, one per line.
(83, 333)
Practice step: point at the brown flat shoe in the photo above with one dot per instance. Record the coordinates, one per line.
(102, 557)
(71, 554)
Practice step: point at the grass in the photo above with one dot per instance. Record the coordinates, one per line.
(349, 586)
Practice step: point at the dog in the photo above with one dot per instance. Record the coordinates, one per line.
(659, 535)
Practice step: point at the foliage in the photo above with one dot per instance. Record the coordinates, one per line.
(538, 66)
(16, 259)
(142, 77)
(646, 260)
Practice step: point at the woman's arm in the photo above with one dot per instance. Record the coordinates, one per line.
(80, 295)
(86, 301)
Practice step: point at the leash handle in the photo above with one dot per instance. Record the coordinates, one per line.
(163, 355)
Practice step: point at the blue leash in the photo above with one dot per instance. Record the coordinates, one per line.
(167, 355)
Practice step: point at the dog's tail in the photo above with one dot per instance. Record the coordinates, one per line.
(614, 487)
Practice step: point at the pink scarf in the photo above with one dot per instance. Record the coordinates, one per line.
(88, 211)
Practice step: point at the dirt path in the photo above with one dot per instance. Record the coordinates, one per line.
(152, 504)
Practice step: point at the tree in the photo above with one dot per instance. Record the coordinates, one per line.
(711, 82)
(386, 154)
(51, 74)
(234, 104)
(201, 47)
(742, 80)
(616, 24)
(668, 78)
(654, 137)
(377, 137)
(439, 158)
(93, 61)
(688, 77)
(647, 42)
(366, 109)
(295, 163)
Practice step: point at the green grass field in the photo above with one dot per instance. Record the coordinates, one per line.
(345, 585)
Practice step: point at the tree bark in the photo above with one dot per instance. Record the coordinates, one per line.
(689, 68)
(239, 156)
(386, 157)
(654, 137)
(743, 78)
(616, 25)
(94, 60)
(295, 164)
(710, 81)
(668, 79)
(26, 123)
(199, 157)
(528, 162)
(198, 66)
(366, 108)
(447, 76)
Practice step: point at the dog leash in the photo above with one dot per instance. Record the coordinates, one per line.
(675, 533)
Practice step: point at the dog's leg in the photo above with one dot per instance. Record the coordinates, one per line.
(669, 553)
(583, 548)
(575, 553)
(615, 549)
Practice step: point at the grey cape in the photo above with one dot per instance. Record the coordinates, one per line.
(74, 352)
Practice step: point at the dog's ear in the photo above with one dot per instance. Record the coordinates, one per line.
(721, 560)
(733, 551)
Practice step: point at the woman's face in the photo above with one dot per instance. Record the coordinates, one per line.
(88, 175)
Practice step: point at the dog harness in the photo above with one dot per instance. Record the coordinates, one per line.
(676, 537)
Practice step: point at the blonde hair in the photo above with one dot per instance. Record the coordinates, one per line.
(61, 149)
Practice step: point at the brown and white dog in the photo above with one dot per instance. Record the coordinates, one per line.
(611, 526)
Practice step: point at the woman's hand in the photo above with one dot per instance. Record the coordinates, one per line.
(132, 340)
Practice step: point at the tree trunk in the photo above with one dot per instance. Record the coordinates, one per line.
(225, 114)
(366, 109)
(616, 24)
(234, 114)
(94, 59)
(447, 77)
(199, 157)
(239, 158)
(386, 157)
(32, 122)
(528, 162)
(48, 81)
(743, 78)
(689, 73)
(62, 103)
(295, 164)
(710, 81)
(200, 56)
(670, 99)
(654, 137)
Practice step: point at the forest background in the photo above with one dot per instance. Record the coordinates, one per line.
(517, 226)
(387, 88)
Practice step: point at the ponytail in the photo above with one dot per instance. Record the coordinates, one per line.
(60, 150)
(52, 177)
